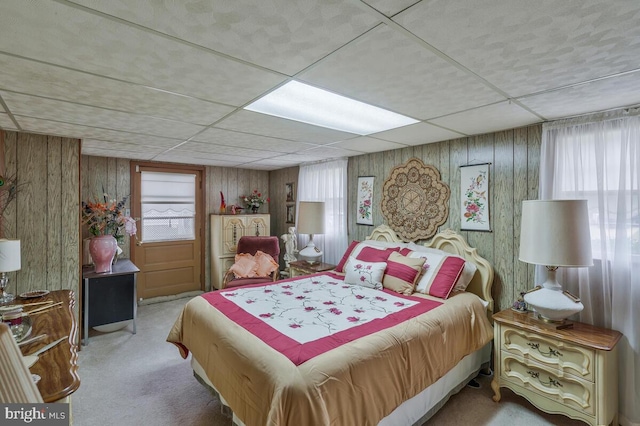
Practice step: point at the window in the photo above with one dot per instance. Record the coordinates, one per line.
(168, 203)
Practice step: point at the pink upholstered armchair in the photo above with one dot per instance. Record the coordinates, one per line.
(251, 245)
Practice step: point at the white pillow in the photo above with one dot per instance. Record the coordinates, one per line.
(365, 274)
(467, 274)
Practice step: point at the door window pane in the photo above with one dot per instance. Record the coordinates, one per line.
(168, 205)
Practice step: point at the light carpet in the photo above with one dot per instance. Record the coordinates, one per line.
(132, 380)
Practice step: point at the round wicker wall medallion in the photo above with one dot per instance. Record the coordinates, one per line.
(415, 201)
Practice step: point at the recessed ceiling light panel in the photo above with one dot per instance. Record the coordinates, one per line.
(308, 104)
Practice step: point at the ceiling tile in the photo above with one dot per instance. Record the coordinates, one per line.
(217, 161)
(85, 132)
(97, 117)
(121, 147)
(268, 125)
(205, 148)
(247, 140)
(367, 144)
(126, 52)
(417, 134)
(385, 68)
(6, 123)
(278, 34)
(29, 77)
(390, 7)
(102, 152)
(491, 118)
(596, 96)
(525, 46)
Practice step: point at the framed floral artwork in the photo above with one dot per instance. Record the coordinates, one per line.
(474, 191)
(365, 200)
(291, 213)
(288, 189)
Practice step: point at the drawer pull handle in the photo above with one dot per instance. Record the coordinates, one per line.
(552, 352)
(551, 382)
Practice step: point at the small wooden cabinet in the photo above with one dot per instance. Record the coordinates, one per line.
(109, 297)
(226, 230)
(302, 267)
(571, 371)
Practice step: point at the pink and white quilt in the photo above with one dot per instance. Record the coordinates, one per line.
(305, 317)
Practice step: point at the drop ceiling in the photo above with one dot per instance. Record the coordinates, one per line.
(168, 80)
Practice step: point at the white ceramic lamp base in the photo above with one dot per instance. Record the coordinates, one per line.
(550, 302)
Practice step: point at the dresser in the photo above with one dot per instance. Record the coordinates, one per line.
(58, 366)
(226, 230)
(570, 371)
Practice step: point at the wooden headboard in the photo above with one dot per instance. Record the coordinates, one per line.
(452, 242)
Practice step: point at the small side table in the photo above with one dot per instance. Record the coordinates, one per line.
(571, 371)
(108, 297)
(302, 267)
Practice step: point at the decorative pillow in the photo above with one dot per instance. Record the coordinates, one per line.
(366, 274)
(340, 266)
(402, 273)
(370, 254)
(467, 274)
(265, 264)
(442, 270)
(244, 266)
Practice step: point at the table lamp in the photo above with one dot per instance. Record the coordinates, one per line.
(555, 233)
(9, 262)
(311, 221)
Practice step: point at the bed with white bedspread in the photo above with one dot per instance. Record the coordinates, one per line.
(322, 349)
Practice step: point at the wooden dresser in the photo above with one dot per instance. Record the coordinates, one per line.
(58, 366)
(571, 371)
(226, 230)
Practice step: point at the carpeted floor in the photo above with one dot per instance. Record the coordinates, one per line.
(132, 380)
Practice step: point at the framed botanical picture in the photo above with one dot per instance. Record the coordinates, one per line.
(291, 213)
(365, 200)
(288, 189)
(474, 191)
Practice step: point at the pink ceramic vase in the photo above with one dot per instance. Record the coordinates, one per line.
(102, 249)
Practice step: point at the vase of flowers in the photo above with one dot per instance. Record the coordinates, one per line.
(254, 200)
(108, 224)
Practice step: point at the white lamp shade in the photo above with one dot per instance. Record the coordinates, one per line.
(311, 217)
(555, 233)
(9, 255)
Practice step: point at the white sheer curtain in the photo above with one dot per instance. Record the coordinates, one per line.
(326, 181)
(598, 158)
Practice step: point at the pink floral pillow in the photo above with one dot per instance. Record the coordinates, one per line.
(366, 274)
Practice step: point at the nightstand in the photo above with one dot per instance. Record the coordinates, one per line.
(302, 267)
(570, 371)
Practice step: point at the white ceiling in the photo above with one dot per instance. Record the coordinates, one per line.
(166, 80)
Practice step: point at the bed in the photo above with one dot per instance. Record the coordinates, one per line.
(327, 362)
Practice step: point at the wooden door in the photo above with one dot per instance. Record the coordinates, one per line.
(169, 245)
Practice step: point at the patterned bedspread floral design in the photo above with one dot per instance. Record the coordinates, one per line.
(313, 307)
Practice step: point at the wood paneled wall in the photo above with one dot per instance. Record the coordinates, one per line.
(114, 174)
(44, 216)
(277, 181)
(514, 156)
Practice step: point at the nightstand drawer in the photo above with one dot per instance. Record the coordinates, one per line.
(549, 383)
(551, 353)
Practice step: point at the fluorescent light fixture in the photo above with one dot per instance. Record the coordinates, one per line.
(308, 104)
